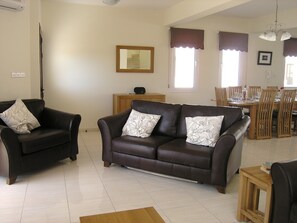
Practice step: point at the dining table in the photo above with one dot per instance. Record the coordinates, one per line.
(252, 106)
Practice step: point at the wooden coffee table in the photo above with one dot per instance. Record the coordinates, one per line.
(143, 215)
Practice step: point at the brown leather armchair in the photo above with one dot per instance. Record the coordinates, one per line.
(284, 178)
(55, 140)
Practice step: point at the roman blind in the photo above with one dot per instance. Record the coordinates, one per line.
(193, 38)
(290, 47)
(233, 41)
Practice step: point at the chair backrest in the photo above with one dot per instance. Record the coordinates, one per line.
(272, 87)
(284, 118)
(264, 114)
(234, 91)
(221, 96)
(254, 91)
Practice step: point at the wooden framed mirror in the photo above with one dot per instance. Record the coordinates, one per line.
(134, 59)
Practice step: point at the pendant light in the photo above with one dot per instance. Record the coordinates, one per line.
(275, 30)
(110, 2)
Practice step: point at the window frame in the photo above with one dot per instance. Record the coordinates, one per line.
(242, 68)
(171, 80)
(285, 72)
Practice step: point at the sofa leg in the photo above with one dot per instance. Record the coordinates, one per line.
(10, 180)
(73, 158)
(200, 182)
(221, 190)
(237, 172)
(107, 164)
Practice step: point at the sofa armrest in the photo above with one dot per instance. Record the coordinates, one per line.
(226, 158)
(110, 128)
(284, 179)
(10, 153)
(51, 118)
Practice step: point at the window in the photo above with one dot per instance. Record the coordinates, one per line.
(183, 68)
(232, 67)
(290, 79)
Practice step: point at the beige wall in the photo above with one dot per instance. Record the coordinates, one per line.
(18, 52)
(79, 55)
(80, 46)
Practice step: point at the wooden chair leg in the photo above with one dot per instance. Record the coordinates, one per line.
(107, 164)
(10, 180)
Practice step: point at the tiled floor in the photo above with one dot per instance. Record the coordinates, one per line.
(69, 189)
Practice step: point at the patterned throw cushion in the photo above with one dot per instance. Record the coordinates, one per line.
(204, 130)
(140, 124)
(19, 118)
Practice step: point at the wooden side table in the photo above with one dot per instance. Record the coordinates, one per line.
(122, 102)
(252, 180)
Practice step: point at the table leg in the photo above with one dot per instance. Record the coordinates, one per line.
(242, 198)
(268, 204)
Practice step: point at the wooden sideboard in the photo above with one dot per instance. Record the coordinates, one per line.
(122, 102)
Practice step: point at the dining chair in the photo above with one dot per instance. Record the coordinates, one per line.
(221, 96)
(284, 118)
(264, 114)
(234, 91)
(254, 91)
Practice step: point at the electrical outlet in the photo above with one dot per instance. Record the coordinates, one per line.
(18, 74)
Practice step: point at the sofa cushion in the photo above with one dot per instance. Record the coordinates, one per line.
(140, 124)
(167, 124)
(143, 147)
(41, 139)
(19, 118)
(231, 115)
(35, 106)
(203, 130)
(180, 152)
(293, 213)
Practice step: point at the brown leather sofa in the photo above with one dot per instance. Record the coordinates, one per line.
(55, 140)
(166, 150)
(284, 177)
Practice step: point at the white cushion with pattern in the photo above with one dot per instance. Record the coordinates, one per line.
(140, 124)
(203, 130)
(19, 118)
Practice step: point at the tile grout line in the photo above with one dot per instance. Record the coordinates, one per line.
(23, 206)
(93, 161)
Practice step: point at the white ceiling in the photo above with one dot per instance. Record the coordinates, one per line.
(152, 4)
(254, 8)
(257, 8)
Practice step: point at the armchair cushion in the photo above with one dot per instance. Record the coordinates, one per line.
(19, 118)
(42, 139)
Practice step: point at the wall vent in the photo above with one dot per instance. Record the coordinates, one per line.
(14, 5)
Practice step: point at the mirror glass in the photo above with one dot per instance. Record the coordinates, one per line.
(138, 59)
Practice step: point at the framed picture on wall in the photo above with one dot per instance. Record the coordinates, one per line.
(264, 58)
